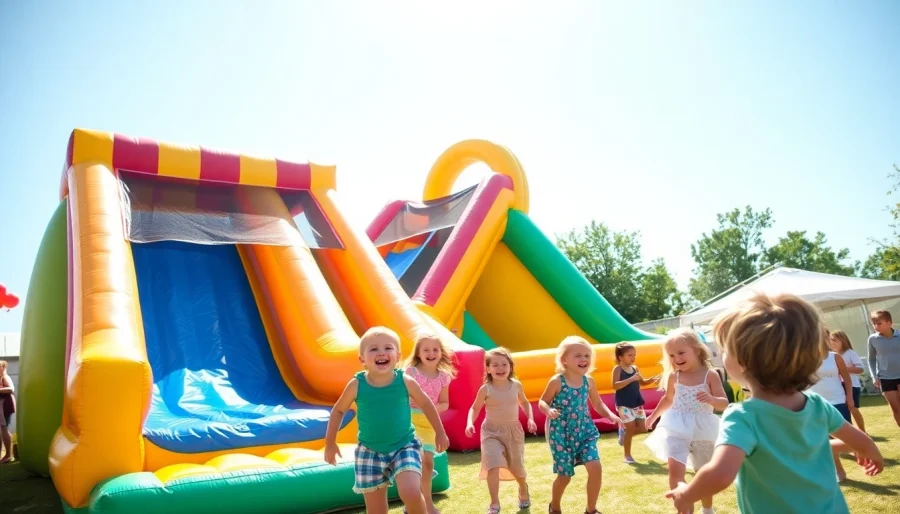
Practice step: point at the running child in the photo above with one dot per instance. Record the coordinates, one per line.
(688, 427)
(502, 437)
(777, 442)
(840, 344)
(570, 430)
(627, 382)
(388, 450)
(431, 365)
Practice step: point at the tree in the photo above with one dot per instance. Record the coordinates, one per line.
(659, 292)
(729, 254)
(795, 250)
(885, 262)
(611, 262)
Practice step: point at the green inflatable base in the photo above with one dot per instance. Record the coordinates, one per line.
(304, 489)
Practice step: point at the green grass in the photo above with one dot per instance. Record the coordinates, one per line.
(636, 488)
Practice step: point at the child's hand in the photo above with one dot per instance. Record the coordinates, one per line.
(470, 430)
(330, 451)
(650, 422)
(637, 377)
(872, 464)
(681, 506)
(704, 397)
(656, 378)
(442, 442)
(552, 413)
(615, 419)
(532, 426)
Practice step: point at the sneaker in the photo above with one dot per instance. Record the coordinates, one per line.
(709, 510)
(630, 460)
(621, 436)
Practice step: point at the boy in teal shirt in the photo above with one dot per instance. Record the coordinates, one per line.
(388, 450)
(777, 443)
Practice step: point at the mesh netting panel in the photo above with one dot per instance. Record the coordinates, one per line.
(419, 218)
(164, 209)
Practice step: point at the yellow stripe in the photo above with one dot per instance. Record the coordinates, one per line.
(322, 177)
(92, 146)
(179, 161)
(257, 171)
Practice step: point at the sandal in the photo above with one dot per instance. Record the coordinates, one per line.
(551, 510)
(595, 511)
(526, 503)
(493, 509)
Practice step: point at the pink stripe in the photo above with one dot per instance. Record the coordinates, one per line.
(383, 218)
(69, 285)
(458, 243)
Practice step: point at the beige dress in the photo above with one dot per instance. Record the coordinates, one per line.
(502, 436)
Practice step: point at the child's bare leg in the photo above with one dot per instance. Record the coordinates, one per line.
(559, 487)
(523, 488)
(676, 473)
(837, 448)
(409, 487)
(706, 502)
(493, 480)
(376, 501)
(594, 483)
(858, 418)
(427, 470)
(893, 399)
(640, 426)
(5, 444)
(629, 434)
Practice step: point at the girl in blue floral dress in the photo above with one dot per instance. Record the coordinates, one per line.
(570, 430)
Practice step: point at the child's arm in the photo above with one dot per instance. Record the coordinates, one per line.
(475, 410)
(845, 376)
(717, 399)
(651, 380)
(550, 392)
(712, 478)
(598, 404)
(873, 362)
(334, 421)
(443, 402)
(441, 442)
(854, 364)
(867, 454)
(664, 403)
(619, 384)
(526, 406)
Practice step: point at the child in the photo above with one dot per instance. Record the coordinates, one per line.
(502, 437)
(388, 450)
(627, 382)
(571, 432)
(431, 365)
(7, 409)
(688, 429)
(776, 443)
(840, 344)
(884, 360)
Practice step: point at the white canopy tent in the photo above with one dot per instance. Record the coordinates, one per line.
(846, 301)
(828, 292)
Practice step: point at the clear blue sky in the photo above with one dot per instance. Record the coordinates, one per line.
(646, 118)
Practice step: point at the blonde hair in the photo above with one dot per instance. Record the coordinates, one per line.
(374, 332)
(841, 336)
(3, 365)
(567, 345)
(498, 352)
(779, 340)
(690, 338)
(444, 365)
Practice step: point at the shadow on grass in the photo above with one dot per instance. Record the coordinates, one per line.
(649, 468)
(465, 458)
(869, 487)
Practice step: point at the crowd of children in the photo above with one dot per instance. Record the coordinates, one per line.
(779, 446)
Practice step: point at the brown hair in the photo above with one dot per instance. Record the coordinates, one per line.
(498, 352)
(882, 316)
(445, 364)
(622, 349)
(841, 336)
(779, 340)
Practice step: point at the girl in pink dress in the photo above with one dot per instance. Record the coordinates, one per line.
(431, 365)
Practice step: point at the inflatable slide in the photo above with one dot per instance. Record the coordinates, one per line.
(475, 261)
(192, 317)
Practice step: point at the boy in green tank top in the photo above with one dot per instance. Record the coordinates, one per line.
(387, 446)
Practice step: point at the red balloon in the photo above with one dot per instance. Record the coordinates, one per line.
(11, 301)
(2, 292)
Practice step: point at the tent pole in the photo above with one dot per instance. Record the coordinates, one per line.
(866, 322)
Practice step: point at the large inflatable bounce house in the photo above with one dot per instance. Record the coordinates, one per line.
(193, 315)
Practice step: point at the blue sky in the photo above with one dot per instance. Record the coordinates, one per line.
(649, 118)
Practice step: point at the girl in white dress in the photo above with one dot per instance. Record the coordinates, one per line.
(840, 344)
(688, 427)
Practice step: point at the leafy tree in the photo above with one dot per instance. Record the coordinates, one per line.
(795, 250)
(659, 292)
(730, 253)
(611, 262)
(885, 262)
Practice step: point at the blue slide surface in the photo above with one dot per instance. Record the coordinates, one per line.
(215, 383)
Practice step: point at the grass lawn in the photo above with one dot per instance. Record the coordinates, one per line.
(635, 488)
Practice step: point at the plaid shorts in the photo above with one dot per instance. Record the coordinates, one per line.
(375, 470)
